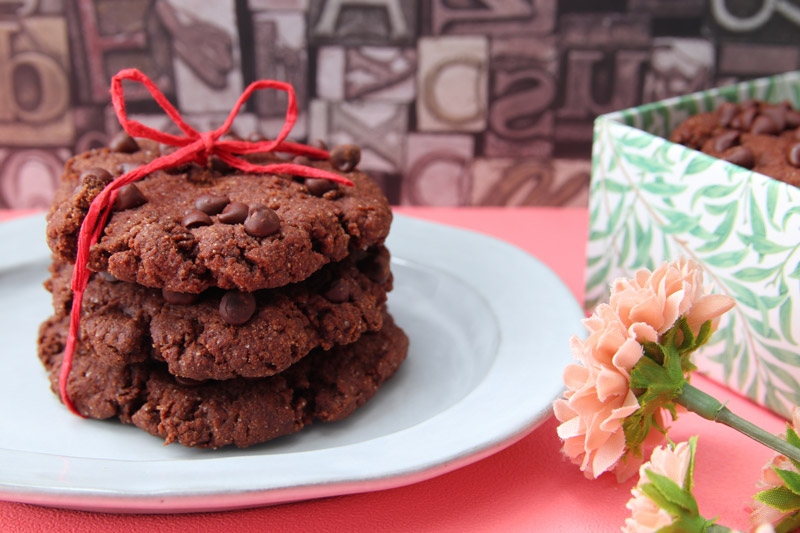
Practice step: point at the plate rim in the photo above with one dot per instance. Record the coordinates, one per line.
(214, 498)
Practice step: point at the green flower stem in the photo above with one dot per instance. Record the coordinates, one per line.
(709, 408)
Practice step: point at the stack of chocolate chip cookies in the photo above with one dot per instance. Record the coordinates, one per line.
(224, 307)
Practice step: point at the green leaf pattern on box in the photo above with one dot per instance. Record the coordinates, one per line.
(653, 201)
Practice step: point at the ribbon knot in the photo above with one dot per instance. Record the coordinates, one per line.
(209, 141)
(193, 146)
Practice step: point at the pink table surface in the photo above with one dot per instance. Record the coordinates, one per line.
(525, 487)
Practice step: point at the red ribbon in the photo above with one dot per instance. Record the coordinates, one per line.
(192, 147)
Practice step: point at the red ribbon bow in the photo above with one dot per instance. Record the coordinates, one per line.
(192, 147)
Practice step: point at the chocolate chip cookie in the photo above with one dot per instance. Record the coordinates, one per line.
(192, 228)
(324, 386)
(756, 135)
(221, 334)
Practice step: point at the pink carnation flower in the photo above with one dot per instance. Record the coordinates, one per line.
(598, 397)
(763, 513)
(646, 515)
(651, 302)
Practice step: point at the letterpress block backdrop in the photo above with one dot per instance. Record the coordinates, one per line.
(515, 85)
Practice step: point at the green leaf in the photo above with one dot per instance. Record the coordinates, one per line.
(701, 233)
(795, 210)
(790, 397)
(662, 189)
(644, 241)
(726, 259)
(788, 524)
(756, 219)
(599, 277)
(763, 328)
(771, 399)
(673, 492)
(652, 492)
(755, 273)
(783, 375)
(772, 201)
(722, 231)
(743, 295)
(743, 369)
(791, 479)
(765, 247)
(718, 209)
(646, 163)
(794, 440)
(699, 164)
(616, 214)
(780, 498)
(785, 316)
(647, 118)
(613, 186)
(679, 222)
(592, 261)
(715, 191)
(785, 356)
(639, 141)
(688, 482)
(626, 246)
(795, 274)
(712, 192)
(660, 384)
(662, 154)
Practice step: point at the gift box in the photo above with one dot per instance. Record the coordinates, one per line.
(652, 201)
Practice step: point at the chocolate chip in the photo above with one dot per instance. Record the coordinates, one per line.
(744, 120)
(725, 140)
(188, 382)
(124, 168)
(95, 175)
(338, 292)
(792, 118)
(726, 113)
(740, 155)
(237, 307)
(128, 197)
(777, 114)
(196, 218)
(345, 157)
(301, 160)
(763, 125)
(234, 213)
(319, 186)
(124, 143)
(262, 221)
(793, 155)
(211, 204)
(216, 163)
(178, 298)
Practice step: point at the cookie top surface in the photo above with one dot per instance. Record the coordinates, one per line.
(325, 386)
(760, 136)
(174, 233)
(223, 334)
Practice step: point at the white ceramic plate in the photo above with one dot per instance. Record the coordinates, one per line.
(489, 328)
